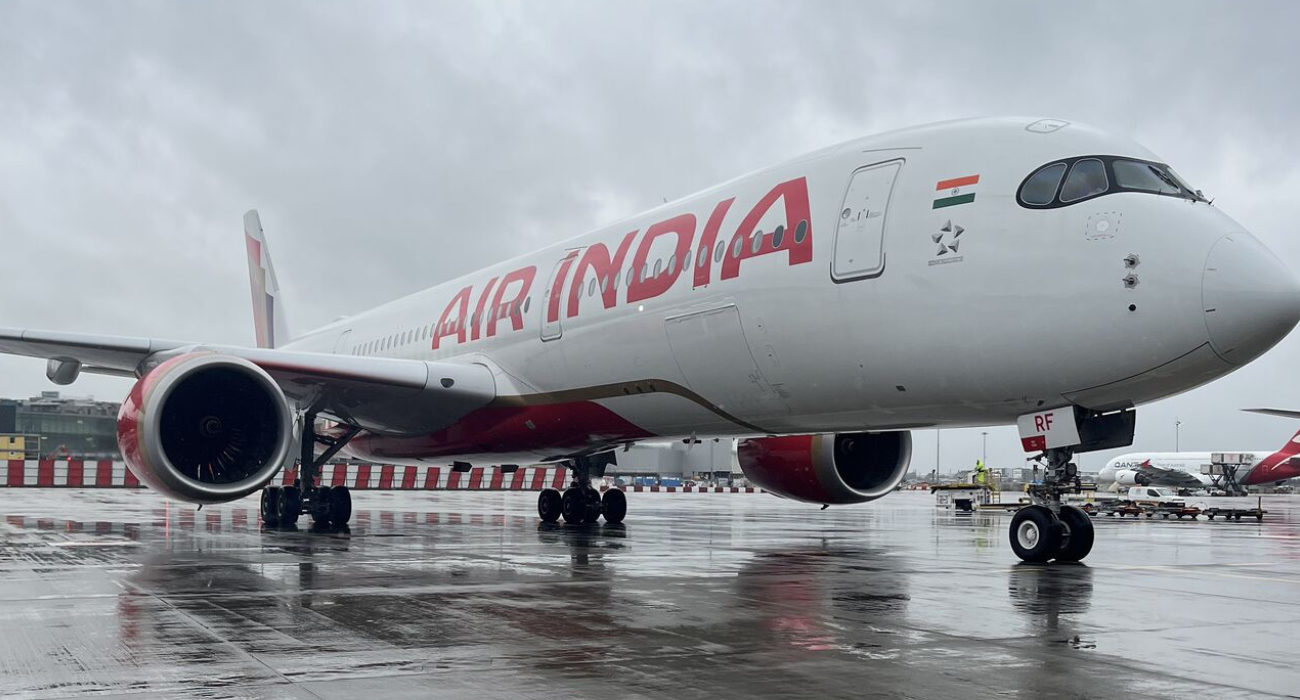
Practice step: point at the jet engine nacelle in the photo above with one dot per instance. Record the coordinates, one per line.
(835, 469)
(205, 428)
(1131, 477)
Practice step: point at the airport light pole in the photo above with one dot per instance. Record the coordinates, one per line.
(936, 450)
(984, 450)
(1177, 423)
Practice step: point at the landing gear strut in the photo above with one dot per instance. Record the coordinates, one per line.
(327, 505)
(1047, 529)
(580, 503)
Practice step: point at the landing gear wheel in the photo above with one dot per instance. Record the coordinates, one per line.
(614, 505)
(289, 506)
(340, 506)
(320, 507)
(1077, 538)
(1035, 534)
(548, 505)
(270, 507)
(573, 505)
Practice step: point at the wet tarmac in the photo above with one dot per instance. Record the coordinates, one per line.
(464, 595)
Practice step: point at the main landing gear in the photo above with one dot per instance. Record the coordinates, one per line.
(1048, 529)
(328, 506)
(580, 503)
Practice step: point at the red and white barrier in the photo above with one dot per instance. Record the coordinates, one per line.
(77, 473)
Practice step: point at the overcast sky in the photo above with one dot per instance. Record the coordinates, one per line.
(390, 146)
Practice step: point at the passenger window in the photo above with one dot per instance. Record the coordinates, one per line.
(1087, 178)
(528, 300)
(758, 242)
(686, 261)
(591, 288)
(659, 264)
(777, 236)
(618, 277)
(735, 249)
(801, 231)
(1132, 175)
(717, 255)
(1040, 188)
(672, 263)
(604, 284)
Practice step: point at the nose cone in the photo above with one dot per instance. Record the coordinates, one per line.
(1252, 300)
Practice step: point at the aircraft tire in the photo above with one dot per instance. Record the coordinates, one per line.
(573, 506)
(593, 505)
(270, 506)
(1035, 534)
(1076, 545)
(320, 507)
(340, 506)
(548, 505)
(614, 505)
(289, 506)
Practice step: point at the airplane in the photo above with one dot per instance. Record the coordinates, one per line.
(958, 274)
(1184, 469)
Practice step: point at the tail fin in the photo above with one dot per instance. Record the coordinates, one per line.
(269, 319)
(1279, 465)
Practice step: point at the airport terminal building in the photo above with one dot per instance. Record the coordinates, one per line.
(51, 425)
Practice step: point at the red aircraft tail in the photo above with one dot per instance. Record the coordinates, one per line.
(1283, 464)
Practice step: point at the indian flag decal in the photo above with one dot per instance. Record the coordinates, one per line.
(957, 190)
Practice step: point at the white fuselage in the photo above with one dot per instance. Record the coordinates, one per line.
(1189, 468)
(890, 299)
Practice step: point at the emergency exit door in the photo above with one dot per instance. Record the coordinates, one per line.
(551, 307)
(860, 226)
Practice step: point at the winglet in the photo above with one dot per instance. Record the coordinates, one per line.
(269, 320)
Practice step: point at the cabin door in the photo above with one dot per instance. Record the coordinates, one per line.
(552, 306)
(860, 226)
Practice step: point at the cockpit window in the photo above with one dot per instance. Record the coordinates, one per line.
(1145, 177)
(1040, 188)
(1094, 176)
(1087, 178)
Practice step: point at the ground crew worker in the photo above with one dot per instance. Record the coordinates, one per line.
(981, 474)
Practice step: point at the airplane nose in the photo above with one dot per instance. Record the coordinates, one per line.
(1252, 300)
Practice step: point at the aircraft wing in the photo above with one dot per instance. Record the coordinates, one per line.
(113, 354)
(385, 395)
(1163, 476)
(1279, 412)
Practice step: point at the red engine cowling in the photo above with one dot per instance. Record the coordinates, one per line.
(205, 428)
(830, 469)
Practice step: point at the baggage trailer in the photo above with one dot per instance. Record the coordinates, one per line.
(1238, 513)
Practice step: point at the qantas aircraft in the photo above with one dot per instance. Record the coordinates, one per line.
(969, 273)
(1185, 469)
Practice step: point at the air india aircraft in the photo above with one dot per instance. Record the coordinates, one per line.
(969, 273)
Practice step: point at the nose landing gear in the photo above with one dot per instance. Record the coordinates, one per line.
(1048, 529)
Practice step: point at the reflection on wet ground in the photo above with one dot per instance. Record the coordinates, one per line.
(119, 594)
